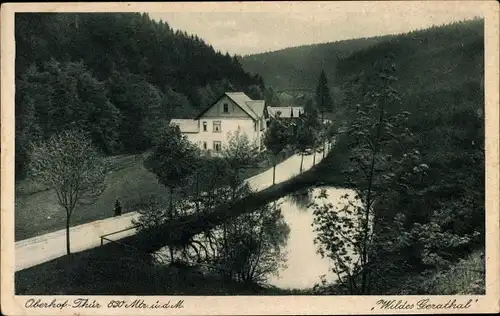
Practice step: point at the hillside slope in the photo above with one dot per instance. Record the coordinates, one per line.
(440, 74)
(299, 67)
(435, 49)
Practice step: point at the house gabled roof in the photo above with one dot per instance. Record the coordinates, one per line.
(257, 107)
(186, 125)
(254, 108)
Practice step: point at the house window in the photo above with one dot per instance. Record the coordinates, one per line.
(225, 108)
(217, 146)
(205, 145)
(204, 126)
(216, 126)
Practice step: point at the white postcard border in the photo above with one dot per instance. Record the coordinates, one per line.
(245, 305)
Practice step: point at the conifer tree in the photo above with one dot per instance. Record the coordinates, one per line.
(323, 96)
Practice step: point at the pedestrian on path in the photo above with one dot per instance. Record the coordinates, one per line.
(118, 208)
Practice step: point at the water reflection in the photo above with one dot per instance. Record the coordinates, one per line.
(301, 199)
(304, 265)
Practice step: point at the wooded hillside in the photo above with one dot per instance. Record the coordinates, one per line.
(299, 67)
(434, 54)
(440, 75)
(115, 75)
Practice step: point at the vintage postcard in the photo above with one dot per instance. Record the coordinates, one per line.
(250, 158)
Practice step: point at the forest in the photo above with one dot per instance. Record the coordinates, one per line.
(116, 76)
(298, 67)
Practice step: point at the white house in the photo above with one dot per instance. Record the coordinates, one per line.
(285, 111)
(232, 111)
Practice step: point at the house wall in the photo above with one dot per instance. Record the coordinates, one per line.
(227, 125)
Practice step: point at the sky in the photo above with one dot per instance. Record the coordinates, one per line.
(251, 27)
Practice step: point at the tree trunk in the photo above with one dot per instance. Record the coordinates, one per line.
(324, 149)
(228, 273)
(364, 258)
(197, 192)
(274, 170)
(68, 248)
(301, 161)
(171, 250)
(171, 211)
(314, 155)
(171, 203)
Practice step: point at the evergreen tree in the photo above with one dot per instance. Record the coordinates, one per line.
(323, 96)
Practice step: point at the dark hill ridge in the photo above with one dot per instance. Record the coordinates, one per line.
(299, 67)
(432, 58)
(435, 48)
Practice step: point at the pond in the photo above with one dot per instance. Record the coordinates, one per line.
(304, 264)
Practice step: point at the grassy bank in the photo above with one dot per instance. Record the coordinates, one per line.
(114, 270)
(38, 212)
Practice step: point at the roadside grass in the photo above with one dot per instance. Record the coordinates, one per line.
(38, 212)
(114, 270)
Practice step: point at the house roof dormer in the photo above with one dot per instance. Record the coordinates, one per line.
(254, 108)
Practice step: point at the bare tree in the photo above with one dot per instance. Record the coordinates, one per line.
(69, 164)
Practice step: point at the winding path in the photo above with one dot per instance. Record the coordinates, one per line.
(43, 248)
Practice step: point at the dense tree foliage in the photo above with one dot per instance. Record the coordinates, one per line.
(256, 245)
(173, 160)
(443, 90)
(239, 153)
(117, 76)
